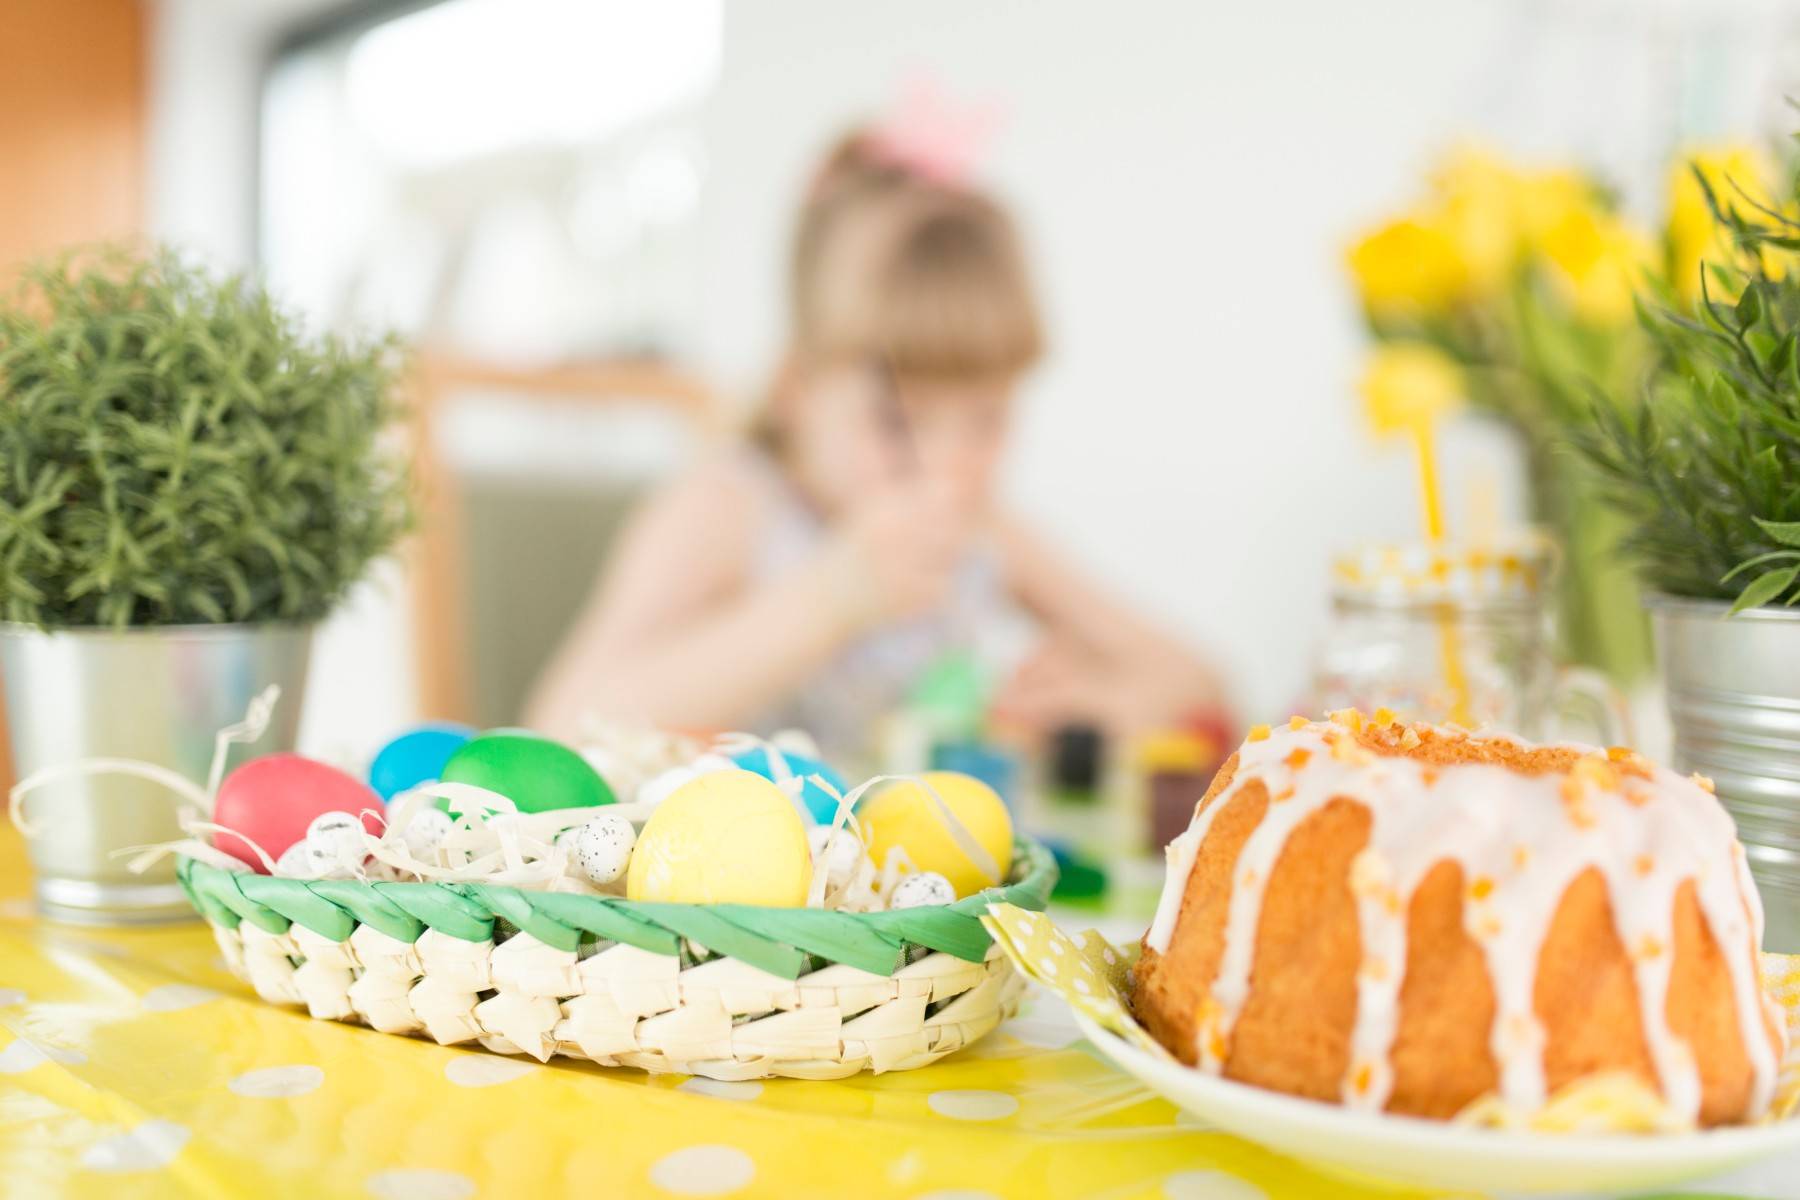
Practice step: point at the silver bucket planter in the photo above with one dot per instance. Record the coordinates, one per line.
(155, 695)
(1734, 700)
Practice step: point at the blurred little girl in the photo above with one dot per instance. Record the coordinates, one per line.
(809, 577)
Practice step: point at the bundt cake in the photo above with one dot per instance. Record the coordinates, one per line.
(1408, 918)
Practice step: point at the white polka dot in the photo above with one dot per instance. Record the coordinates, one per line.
(1057, 948)
(21, 1055)
(1043, 1032)
(703, 1171)
(722, 1089)
(1111, 958)
(171, 997)
(1048, 967)
(1210, 1185)
(1081, 985)
(419, 1183)
(152, 1144)
(906, 1168)
(972, 1104)
(485, 1070)
(277, 1083)
(10, 997)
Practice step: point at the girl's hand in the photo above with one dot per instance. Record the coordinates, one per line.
(1056, 685)
(1065, 684)
(894, 556)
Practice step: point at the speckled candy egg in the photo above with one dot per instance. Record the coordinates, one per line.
(416, 756)
(535, 773)
(821, 803)
(919, 891)
(425, 832)
(334, 841)
(271, 801)
(728, 837)
(903, 816)
(602, 847)
(839, 851)
(296, 863)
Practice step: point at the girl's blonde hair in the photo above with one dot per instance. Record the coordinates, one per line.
(891, 266)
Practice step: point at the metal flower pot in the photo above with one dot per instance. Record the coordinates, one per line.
(155, 695)
(1734, 700)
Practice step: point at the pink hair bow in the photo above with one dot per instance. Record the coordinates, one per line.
(931, 136)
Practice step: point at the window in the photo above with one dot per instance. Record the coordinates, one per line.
(514, 179)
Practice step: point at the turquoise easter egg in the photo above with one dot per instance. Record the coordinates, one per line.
(535, 773)
(416, 756)
(819, 802)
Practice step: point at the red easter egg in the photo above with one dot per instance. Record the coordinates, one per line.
(271, 800)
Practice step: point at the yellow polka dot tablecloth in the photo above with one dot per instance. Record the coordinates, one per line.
(133, 1065)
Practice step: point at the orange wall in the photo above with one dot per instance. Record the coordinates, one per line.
(72, 123)
(72, 117)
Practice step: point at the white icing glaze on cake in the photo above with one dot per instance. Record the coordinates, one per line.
(1520, 840)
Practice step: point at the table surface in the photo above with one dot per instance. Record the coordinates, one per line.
(136, 1066)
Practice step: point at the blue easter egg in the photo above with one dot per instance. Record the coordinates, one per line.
(416, 756)
(821, 803)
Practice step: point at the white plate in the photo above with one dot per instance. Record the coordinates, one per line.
(1436, 1154)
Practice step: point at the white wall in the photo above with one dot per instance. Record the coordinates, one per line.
(1188, 174)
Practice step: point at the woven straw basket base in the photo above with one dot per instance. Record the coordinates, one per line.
(806, 993)
(623, 1006)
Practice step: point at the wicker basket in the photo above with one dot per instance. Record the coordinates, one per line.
(726, 991)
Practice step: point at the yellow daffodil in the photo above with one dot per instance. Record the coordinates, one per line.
(1694, 235)
(1476, 198)
(1598, 260)
(1496, 211)
(1407, 266)
(1545, 199)
(1407, 386)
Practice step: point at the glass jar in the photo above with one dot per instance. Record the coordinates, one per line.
(1458, 633)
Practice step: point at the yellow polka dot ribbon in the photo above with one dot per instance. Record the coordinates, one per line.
(1086, 970)
(1781, 975)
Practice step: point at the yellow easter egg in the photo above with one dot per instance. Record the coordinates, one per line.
(903, 816)
(726, 837)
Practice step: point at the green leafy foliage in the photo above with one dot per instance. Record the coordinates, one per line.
(1707, 468)
(175, 449)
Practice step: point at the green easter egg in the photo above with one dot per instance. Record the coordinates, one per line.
(533, 772)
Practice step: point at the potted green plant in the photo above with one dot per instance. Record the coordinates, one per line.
(1707, 472)
(189, 482)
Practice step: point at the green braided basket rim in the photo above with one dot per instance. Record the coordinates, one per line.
(782, 941)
